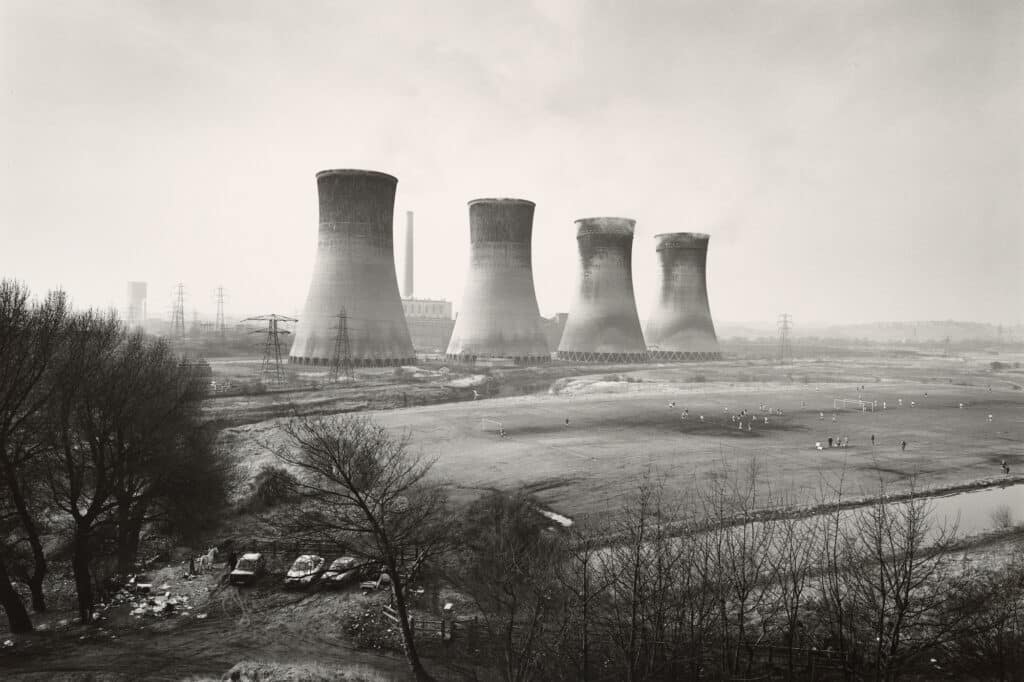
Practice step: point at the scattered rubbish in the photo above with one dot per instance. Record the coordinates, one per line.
(201, 616)
(9, 643)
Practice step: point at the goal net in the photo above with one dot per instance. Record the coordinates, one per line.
(490, 425)
(851, 404)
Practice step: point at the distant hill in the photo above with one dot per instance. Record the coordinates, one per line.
(885, 332)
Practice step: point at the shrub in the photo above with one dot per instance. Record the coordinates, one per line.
(272, 486)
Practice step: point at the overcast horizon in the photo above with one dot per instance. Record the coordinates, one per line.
(852, 161)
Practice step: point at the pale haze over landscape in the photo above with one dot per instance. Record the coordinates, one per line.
(852, 161)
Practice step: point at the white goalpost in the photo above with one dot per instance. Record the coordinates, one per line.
(490, 425)
(851, 404)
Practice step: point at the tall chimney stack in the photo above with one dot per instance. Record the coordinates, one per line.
(407, 291)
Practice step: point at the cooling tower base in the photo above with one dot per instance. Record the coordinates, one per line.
(356, 362)
(682, 356)
(519, 361)
(602, 358)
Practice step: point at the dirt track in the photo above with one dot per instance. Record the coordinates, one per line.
(178, 648)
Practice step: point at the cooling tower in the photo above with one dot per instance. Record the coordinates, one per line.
(680, 326)
(355, 270)
(499, 315)
(603, 325)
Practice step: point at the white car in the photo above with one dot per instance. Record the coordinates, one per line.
(305, 571)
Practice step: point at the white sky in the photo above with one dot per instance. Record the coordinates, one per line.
(852, 160)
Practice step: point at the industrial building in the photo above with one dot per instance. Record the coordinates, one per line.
(603, 325)
(429, 320)
(430, 323)
(354, 275)
(680, 327)
(499, 316)
(135, 311)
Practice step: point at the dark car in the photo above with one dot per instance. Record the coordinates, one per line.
(249, 568)
(343, 571)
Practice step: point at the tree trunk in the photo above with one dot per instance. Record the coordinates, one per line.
(17, 616)
(35, 586)
(83, 580)
(408, 641)
(35, 580)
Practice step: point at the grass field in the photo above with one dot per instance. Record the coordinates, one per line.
(621, 425)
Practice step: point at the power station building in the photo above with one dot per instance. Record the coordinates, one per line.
(135, 312)
(603, 325)
(354, 273)
(499, 317)
(429, 320)
(680, 326)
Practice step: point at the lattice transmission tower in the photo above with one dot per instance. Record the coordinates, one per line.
(341, 363)
(272, 366)
(178, 313)
(218, 325)
(785, 325)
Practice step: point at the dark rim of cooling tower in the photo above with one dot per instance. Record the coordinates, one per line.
(355, 172)
(501, 200)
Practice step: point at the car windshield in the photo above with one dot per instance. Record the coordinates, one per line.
(245, 565)
(303, 565)
(343, 563)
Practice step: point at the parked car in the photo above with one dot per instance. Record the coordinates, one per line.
(250, 567)
(305, 571)
(343, 571)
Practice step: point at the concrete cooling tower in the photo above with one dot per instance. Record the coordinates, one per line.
(499, 317)
(354, 270)
(603, 325)
(680, 326)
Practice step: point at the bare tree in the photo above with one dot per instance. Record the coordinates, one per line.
(31, 337)
(898, 559)
(509, 568)
(642, 567)
(793, 557)
(742, 549)
(81, 425)
(585, 588)
(363, 488)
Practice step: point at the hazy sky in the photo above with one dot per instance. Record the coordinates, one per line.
(852, 161)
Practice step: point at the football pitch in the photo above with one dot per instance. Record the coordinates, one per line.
(619, 430)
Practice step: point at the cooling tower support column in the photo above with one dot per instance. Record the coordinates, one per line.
(499, 317)
(603, 325)
(354, 270)
(680, 327)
